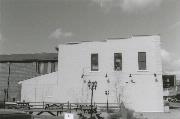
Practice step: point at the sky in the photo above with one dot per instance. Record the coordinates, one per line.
(33, 26)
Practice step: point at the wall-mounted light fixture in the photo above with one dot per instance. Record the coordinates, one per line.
(132, 81)
(108, 81)
(82, 76)
(106, 75)
(155, 75)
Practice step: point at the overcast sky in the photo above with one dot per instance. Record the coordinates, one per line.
(31, 26)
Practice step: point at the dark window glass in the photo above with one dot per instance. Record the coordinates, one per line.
(168, 81)
(117, 61)
(94, 62)
(37, 67)
(56, 66)
(42, 67)
(53, 67)
(142, 60)
(45, 70)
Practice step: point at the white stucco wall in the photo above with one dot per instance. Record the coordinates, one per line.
(144, 95)
(39, 89)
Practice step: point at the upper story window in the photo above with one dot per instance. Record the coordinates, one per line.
(117, 61)
(42, 67)
(46, 67)
(142, 60)
(94, 62)
(54, 66)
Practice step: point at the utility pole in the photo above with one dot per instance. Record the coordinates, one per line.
(5, 93)
(9, 73)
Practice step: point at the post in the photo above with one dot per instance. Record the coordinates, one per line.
(107, 94)
(4, 98)
(107, 104)
(70, 107)
(9, 72)
(43, 104)
(92, 86)
(91, 100)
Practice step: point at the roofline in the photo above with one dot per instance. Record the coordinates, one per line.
(27, 61)
(115, 38)
(22, 58)
(138, 35)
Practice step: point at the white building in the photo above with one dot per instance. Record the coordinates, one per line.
(129, 68)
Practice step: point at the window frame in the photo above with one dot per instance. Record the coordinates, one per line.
(140, 61)
(96, 63)
(115, 69)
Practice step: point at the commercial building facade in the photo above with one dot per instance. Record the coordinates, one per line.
(130, 69)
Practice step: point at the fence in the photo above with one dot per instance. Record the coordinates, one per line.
(58, 108)
(67, 105)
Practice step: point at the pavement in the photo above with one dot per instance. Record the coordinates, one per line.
(173, 114)
(10, 111)
(13, 114)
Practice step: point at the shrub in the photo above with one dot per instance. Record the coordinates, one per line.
(130, 114)
(124, 113)
(111, 110)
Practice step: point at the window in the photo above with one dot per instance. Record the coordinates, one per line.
(42, 67)
(169, 81)
(54, 66)
(94, 62)
(142, 60)
(117, 61)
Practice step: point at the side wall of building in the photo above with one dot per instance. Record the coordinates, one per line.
(18, 72)
(39, 89)
(146, 94)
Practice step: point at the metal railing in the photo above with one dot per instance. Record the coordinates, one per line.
(57, 105)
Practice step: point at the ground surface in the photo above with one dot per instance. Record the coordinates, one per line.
(9, 111)
(13, 114)
(173, 114)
